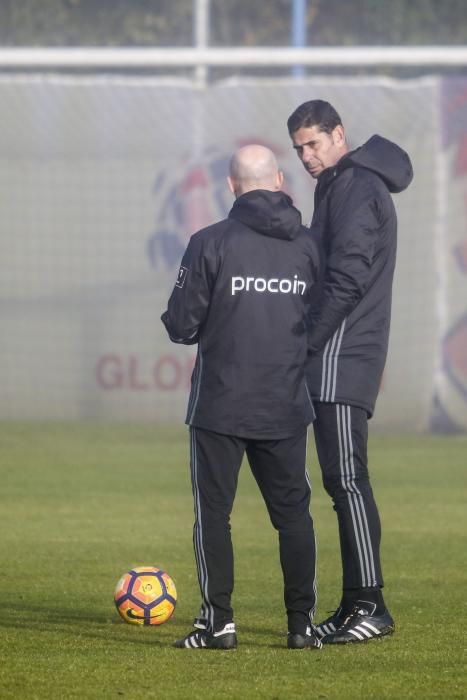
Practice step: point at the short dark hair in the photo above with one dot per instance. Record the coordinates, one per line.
(314, 113)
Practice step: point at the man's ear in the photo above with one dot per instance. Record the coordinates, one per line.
(231, 184)
(339, 135)
(279, 179)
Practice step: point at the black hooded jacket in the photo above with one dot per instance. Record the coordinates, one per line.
(243, 289)
(355, 219)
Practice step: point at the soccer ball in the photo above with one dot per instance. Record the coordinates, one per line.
(145, 595)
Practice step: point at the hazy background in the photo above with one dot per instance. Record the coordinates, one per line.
(104, 175)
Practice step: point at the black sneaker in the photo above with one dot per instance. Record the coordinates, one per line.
(361, 625)
(309, 640)
(332, 623)
(202, 639)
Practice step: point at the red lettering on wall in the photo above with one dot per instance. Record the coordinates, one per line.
(168, 373)
(133, 378)
(109, 373)
(135, 373)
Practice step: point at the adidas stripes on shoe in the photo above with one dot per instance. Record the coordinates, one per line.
(202, 639)
(361, 625)
(331, 624)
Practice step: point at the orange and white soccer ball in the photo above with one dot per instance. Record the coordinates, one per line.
(145, 595)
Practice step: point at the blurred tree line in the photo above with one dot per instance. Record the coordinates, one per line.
(163, 23)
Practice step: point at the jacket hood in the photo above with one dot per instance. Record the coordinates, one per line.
(384, 158)
(268, 213)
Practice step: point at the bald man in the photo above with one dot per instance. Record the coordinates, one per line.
(242, 294)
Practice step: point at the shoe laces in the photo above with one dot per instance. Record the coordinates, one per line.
(356, 611)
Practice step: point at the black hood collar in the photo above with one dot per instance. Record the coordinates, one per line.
(384, 158)
(268, 213)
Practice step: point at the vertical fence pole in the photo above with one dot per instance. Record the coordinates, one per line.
(201, 26)
(298, 33)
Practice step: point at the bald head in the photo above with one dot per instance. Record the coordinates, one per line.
(254, 167)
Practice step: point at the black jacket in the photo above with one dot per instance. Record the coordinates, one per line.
(354, 217)
(242, 292)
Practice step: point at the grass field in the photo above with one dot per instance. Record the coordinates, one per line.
(82, 504)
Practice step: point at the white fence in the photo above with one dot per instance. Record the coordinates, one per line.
(205, 56)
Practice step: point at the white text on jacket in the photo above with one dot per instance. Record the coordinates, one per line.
(273, 285)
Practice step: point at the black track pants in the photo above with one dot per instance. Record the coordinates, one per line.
(280, 472)
(341, 436)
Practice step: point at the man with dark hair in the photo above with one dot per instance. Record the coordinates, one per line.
(243, 288)
(348, 333)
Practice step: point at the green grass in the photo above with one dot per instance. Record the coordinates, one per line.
(79, 505)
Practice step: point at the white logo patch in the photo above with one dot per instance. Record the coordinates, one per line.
(182, 273)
